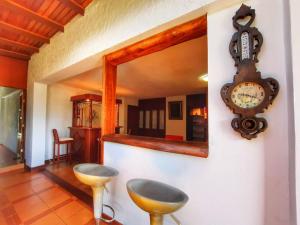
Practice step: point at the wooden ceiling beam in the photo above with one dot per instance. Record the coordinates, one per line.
(16, 8)
(26, 47)
(12, 54)
(74, 6)
(21, 31)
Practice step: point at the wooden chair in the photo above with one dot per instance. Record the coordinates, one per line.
(61, 141)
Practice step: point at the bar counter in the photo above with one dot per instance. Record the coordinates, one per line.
(198, 149)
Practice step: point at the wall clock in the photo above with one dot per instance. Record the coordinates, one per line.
(248, 94)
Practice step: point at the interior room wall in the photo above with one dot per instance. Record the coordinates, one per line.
(176, 127)
(59, 113)
(241, 182)
(263, 161)
(9, 111)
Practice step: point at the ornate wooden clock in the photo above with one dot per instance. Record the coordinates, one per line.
(249, 94)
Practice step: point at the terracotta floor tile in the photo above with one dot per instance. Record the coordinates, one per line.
(18, 178)
(54, 196)
(17, 192)
(4, 202)
(7, 181)
(80, 218)
(69, 210)
(38, 208)
(41, 184)
(50, 219)
(2, 220)
(30, 207)
(13, 220)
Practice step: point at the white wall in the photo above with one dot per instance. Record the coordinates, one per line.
(241, 182)
(59, 113)
(9, 111)
(294, 6)
(267, 156)
(184, 172)
(176, 127)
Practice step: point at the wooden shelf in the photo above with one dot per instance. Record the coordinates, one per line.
(198, 149)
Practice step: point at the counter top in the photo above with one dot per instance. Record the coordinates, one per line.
(89, 128)
(86, 128)
(198, 149)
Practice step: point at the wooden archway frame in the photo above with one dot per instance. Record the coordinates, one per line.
(174, 36)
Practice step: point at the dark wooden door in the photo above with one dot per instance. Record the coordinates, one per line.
(152, 117)
(133, 120)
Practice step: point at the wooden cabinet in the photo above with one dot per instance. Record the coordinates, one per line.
(86, 147)
(86, 129)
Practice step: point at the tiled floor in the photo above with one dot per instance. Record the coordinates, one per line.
(31, 198)
(6, 157)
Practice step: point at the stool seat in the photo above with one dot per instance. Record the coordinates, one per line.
(156, 198)
(66, 139)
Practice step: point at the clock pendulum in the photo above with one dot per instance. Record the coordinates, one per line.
(248, 94)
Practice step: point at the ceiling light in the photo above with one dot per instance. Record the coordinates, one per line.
(203, 77)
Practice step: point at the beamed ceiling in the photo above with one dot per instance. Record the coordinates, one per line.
(26, 25)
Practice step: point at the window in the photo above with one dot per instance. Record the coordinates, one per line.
(154, 119)
(147, 125)
(141, 119)
(161, 119)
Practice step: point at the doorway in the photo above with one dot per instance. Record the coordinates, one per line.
(12, 126)
(148, 118)
(132, 120)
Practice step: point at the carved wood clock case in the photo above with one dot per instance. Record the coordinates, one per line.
(248, 94)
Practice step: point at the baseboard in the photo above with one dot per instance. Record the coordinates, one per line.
(62, 157)
(35, 169)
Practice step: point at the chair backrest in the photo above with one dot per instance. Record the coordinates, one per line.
(55, 136)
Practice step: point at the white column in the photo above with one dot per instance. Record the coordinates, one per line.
(36, 124)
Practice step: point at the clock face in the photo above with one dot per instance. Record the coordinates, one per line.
(247, 95)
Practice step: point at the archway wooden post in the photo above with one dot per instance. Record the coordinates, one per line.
(174, 36)
(109, 83)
